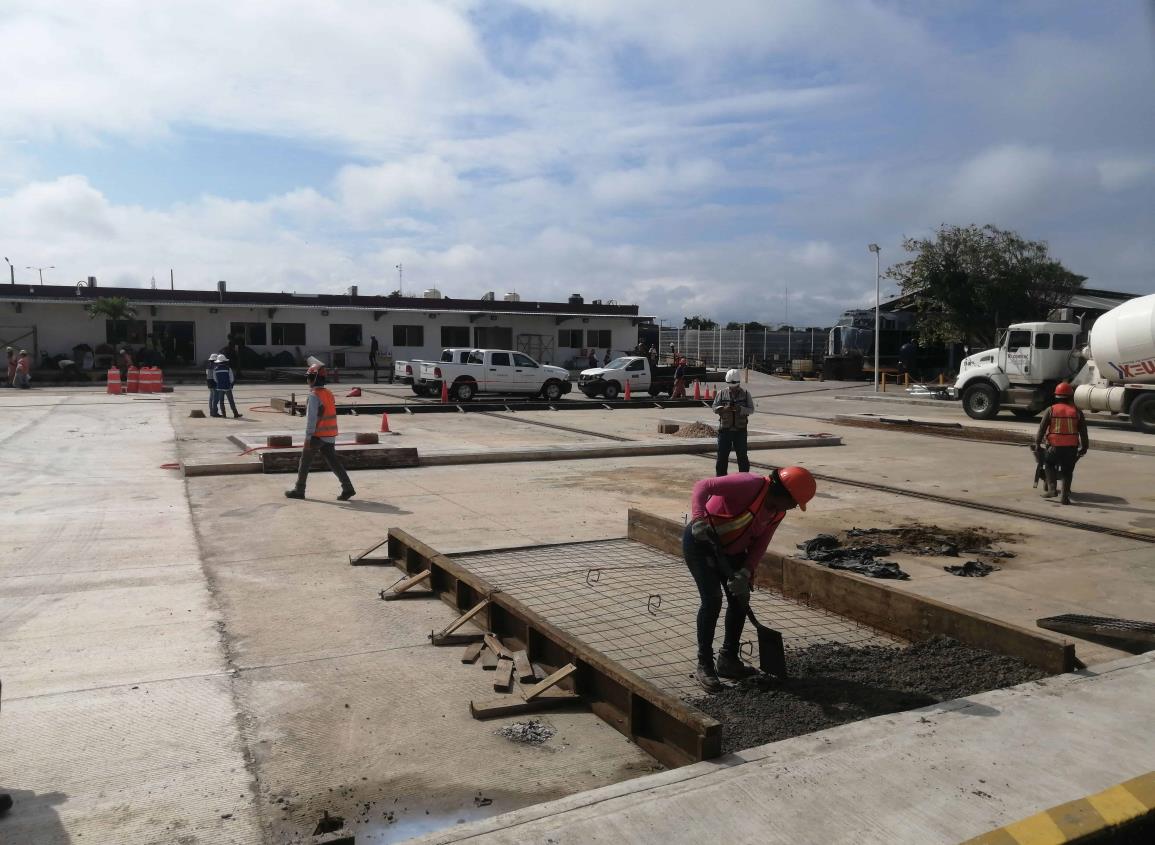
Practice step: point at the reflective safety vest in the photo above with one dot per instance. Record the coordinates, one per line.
(327, 419)
(732, 529)
(1064, 427)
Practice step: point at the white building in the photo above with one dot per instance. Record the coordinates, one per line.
(184, 326)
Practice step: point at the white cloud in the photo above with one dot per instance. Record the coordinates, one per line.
(421, 182)
(1121, 174)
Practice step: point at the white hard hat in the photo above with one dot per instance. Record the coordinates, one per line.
(221, 359)
(733, 377)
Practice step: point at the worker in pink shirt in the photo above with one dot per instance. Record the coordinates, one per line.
(732, 519)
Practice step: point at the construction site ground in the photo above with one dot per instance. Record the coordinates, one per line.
(194, 661)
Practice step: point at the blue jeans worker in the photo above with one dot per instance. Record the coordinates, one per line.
(211, 384)
(225, 379)
(320, 436)
(733, 519)
(733, 405)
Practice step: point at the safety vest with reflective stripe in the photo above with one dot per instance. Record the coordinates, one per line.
(731, 529)
(327, 419)
(1064, 427)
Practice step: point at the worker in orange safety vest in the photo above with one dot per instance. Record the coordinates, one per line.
(1064, 428)
(320, 435)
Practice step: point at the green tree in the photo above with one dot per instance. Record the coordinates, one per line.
(968, 281)
(115, 308)
(698, 323)
(752, 326)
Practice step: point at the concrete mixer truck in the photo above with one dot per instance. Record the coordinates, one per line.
(1114, 373)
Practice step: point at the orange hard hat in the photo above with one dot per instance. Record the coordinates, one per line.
(1064, 390)
(799, 483)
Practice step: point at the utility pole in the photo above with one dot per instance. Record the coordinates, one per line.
(11, 271)
(400, 289)
(41, 270)
(877, 250)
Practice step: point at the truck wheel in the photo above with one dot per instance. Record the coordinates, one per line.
(1143, 414)
(420, 391)
(612, 390)
(552, 391)
(981, 402)
(463, 391)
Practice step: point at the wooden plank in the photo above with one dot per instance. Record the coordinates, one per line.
(488, 659)
(455, 639)
(560, 675)
(523, 667)
(472, 652)
(504, 680)
(465, 617)
(363, 559)
(512, 705)
(495, 645)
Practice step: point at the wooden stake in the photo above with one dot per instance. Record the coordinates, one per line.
(561, 674)
(523, 668)
(472, 652)
(504, 680)
(511, 705)
(399, 591)
(494, 645)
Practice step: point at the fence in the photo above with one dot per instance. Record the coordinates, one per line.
(797, 350)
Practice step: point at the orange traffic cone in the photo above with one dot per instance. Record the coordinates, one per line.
(697, 390)
(709, 394)
(627, 391)
(444, 392)
(384, 423)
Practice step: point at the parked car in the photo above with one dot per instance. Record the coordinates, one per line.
(494, 371)
(609, 381)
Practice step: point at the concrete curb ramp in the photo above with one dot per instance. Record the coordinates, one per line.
(1098, 818)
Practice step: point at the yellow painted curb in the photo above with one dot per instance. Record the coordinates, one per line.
(1076, 821)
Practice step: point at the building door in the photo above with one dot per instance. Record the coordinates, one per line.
(176, 341)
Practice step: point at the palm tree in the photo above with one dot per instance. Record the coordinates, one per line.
(115, 308)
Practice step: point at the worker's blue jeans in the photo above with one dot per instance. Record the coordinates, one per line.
(699, 560)
(731, 438)
(219, 398)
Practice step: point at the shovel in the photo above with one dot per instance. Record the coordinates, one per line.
(1040, 459)
(771, 654)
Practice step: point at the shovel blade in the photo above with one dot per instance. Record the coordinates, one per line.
(771, 653)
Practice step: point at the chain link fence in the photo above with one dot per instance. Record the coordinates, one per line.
(795, 351)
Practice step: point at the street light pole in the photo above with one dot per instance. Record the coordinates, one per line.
(877, 285)
(11, 271)
(41, 270)
(400, 283)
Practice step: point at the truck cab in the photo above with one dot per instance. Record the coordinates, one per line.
(1021, 372)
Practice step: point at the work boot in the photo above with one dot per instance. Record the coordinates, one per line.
(729, 666)
(707, 678)
(294, 494)
(1050, 484)
(347, 494)
(237, 416)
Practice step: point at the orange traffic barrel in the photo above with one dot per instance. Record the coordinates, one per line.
(114, 385)
(134, 380)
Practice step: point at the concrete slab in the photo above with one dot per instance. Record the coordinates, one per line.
(937, 775)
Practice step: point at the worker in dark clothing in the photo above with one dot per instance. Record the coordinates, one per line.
(907, 358)
(734, 405)
(1065, 429)
(732, 522)
(320, 436)
(374, 348)
(225, 378)
(679, 379)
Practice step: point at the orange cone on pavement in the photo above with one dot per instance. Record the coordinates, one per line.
(384, 423)
(444, 392)
(697, 390)
(627, 391)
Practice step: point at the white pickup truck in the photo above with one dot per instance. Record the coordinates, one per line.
(493, 371)
(409, 372)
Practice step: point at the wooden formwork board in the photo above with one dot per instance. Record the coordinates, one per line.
(666, 727)
(877, 604)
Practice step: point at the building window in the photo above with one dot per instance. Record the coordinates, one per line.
(288, 334)
(493, 337)
(248, 334)
(344, 334)
(455, 336)
(1063, 342)
(125, 331)
(569, 338)
(599, 338)
(409, 335)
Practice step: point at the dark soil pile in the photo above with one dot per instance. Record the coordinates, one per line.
(833, 684)
(696, 430)
(917, 538)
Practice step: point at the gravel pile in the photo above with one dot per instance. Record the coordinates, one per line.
(696, 430)
(531, 732)
(833, 684)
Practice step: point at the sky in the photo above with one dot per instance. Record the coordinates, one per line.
(731, 159)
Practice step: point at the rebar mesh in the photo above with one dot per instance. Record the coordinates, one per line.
(638, 605)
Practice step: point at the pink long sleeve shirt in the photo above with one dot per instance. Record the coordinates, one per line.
(729, 496)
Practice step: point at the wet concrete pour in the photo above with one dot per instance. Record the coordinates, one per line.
(832, 684)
